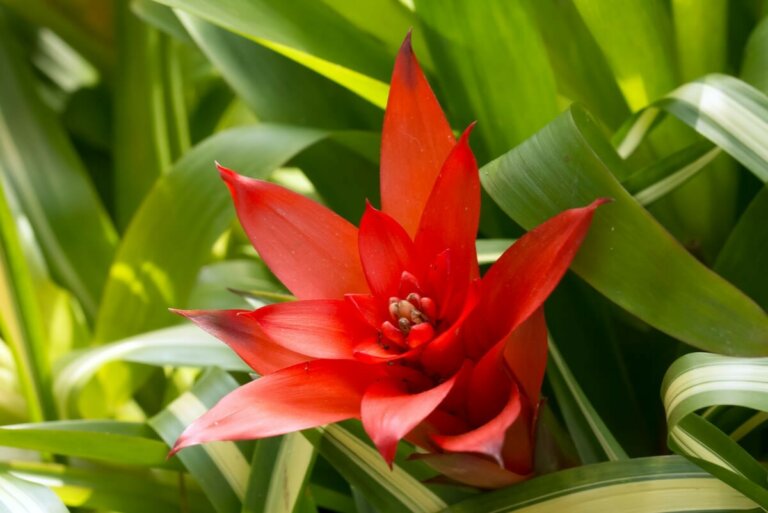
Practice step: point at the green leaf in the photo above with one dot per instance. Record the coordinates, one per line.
(490, 55)
(289, 93)
(569, 164)
(146, 92)
(21, 322)
(701, 380)
(46, 176)
(299, 30)
(645, 485)
(279, 472)
(221, 468)
(744, 258)
(593, 440)
(113, 489)
(489, 250)
(20, 496)
(124, 443)
(636, 39)
(181, 346)
(367, 472)
(730, 113)
(171, 236)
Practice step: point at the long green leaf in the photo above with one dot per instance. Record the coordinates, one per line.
(124, 443)
(627, 256)
(20, 496)
(113, 489)
(289, 93)
(221, 468)
(181, 346)
(701, 380)
(171, 236)
(388, 490)
(21, 320)
(42, 169)
(299, 30)
(593, 440)
(646, 485)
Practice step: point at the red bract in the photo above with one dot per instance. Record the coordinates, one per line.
(393, 324)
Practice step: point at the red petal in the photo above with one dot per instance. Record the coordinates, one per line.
(240, 332)
(525, 352)
(452, 215)
(320, 328)
(311, 249)
(471, 470)
(416, 139)
(369, 308)
(519, 442)
(389, 411)
(310, 394)
(520, 281)
(488, 439)
(385, 250)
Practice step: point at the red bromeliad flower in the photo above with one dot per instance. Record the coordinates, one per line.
(393, 323)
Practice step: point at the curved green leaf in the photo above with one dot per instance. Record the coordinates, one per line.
(647, 485)
(20, 496)
(180, 346)
(701, 380)
(125, 443)
(627, 256)
(171, 235)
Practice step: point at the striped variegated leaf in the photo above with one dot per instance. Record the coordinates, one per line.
(221, 468)
(20, 496)
(727, 111)
(698, 381)
(645, 485)
(386, 489)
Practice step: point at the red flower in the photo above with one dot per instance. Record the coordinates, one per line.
(393, 324)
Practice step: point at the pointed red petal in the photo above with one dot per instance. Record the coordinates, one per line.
(389, 411)
(385, 250)
(310, 394)
(312, 250)
(370, 308)
(452, 214)
(240, 332)
(416, 139)
(320, 328)
(487, 439)
(519, 282)
(471, 470)
(525, 352)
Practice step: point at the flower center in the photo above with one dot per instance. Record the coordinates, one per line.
(411, 321)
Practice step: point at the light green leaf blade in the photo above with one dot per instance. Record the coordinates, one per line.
(21, 321)
(701, 380)
(221, 468)
(489, 250)
(124, 443)
(570, 164)
(40, 166)
(20, 496)
(280, 470)
(636, 39)
(299, 30)
(366, 471)
(646, 485)
(180, 346)
(171, 236)
(113, 489)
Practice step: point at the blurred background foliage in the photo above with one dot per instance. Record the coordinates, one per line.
(113, 112)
